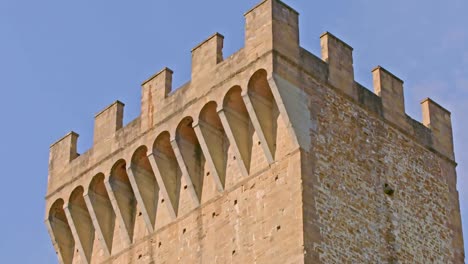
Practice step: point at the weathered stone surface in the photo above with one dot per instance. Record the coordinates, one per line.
(271, 155)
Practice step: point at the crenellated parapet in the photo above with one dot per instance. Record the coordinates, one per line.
(153, 92)
(61, 154)
(267, 27)
(390, 89)
(339, 57)
(438, 120)
(108, 121)
(236, 117)
(390, 103)
(206, 56)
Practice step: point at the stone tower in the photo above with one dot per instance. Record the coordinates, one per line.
(272, 155)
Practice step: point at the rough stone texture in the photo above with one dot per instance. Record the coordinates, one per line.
(357, 155)
(271, 155)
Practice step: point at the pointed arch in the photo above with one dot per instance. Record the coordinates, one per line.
(100, 209)
(60, 232)
(167, 171)
(81, 223)
(236, 122)
(214, 142)
(190, 157)
(145, 186)
(123, 199)
(266, 113)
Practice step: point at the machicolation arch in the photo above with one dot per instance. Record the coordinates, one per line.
(238, 158)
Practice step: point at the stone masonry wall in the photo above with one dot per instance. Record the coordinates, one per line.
(256, 221)
(356, 154)
(271, 155)
(374, 190)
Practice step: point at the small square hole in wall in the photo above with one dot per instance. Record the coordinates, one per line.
(388, 190)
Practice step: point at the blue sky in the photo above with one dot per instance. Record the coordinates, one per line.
(63, 61)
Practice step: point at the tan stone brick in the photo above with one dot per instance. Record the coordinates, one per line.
(271, 155)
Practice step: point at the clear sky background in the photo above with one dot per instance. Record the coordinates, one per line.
(61, 62)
